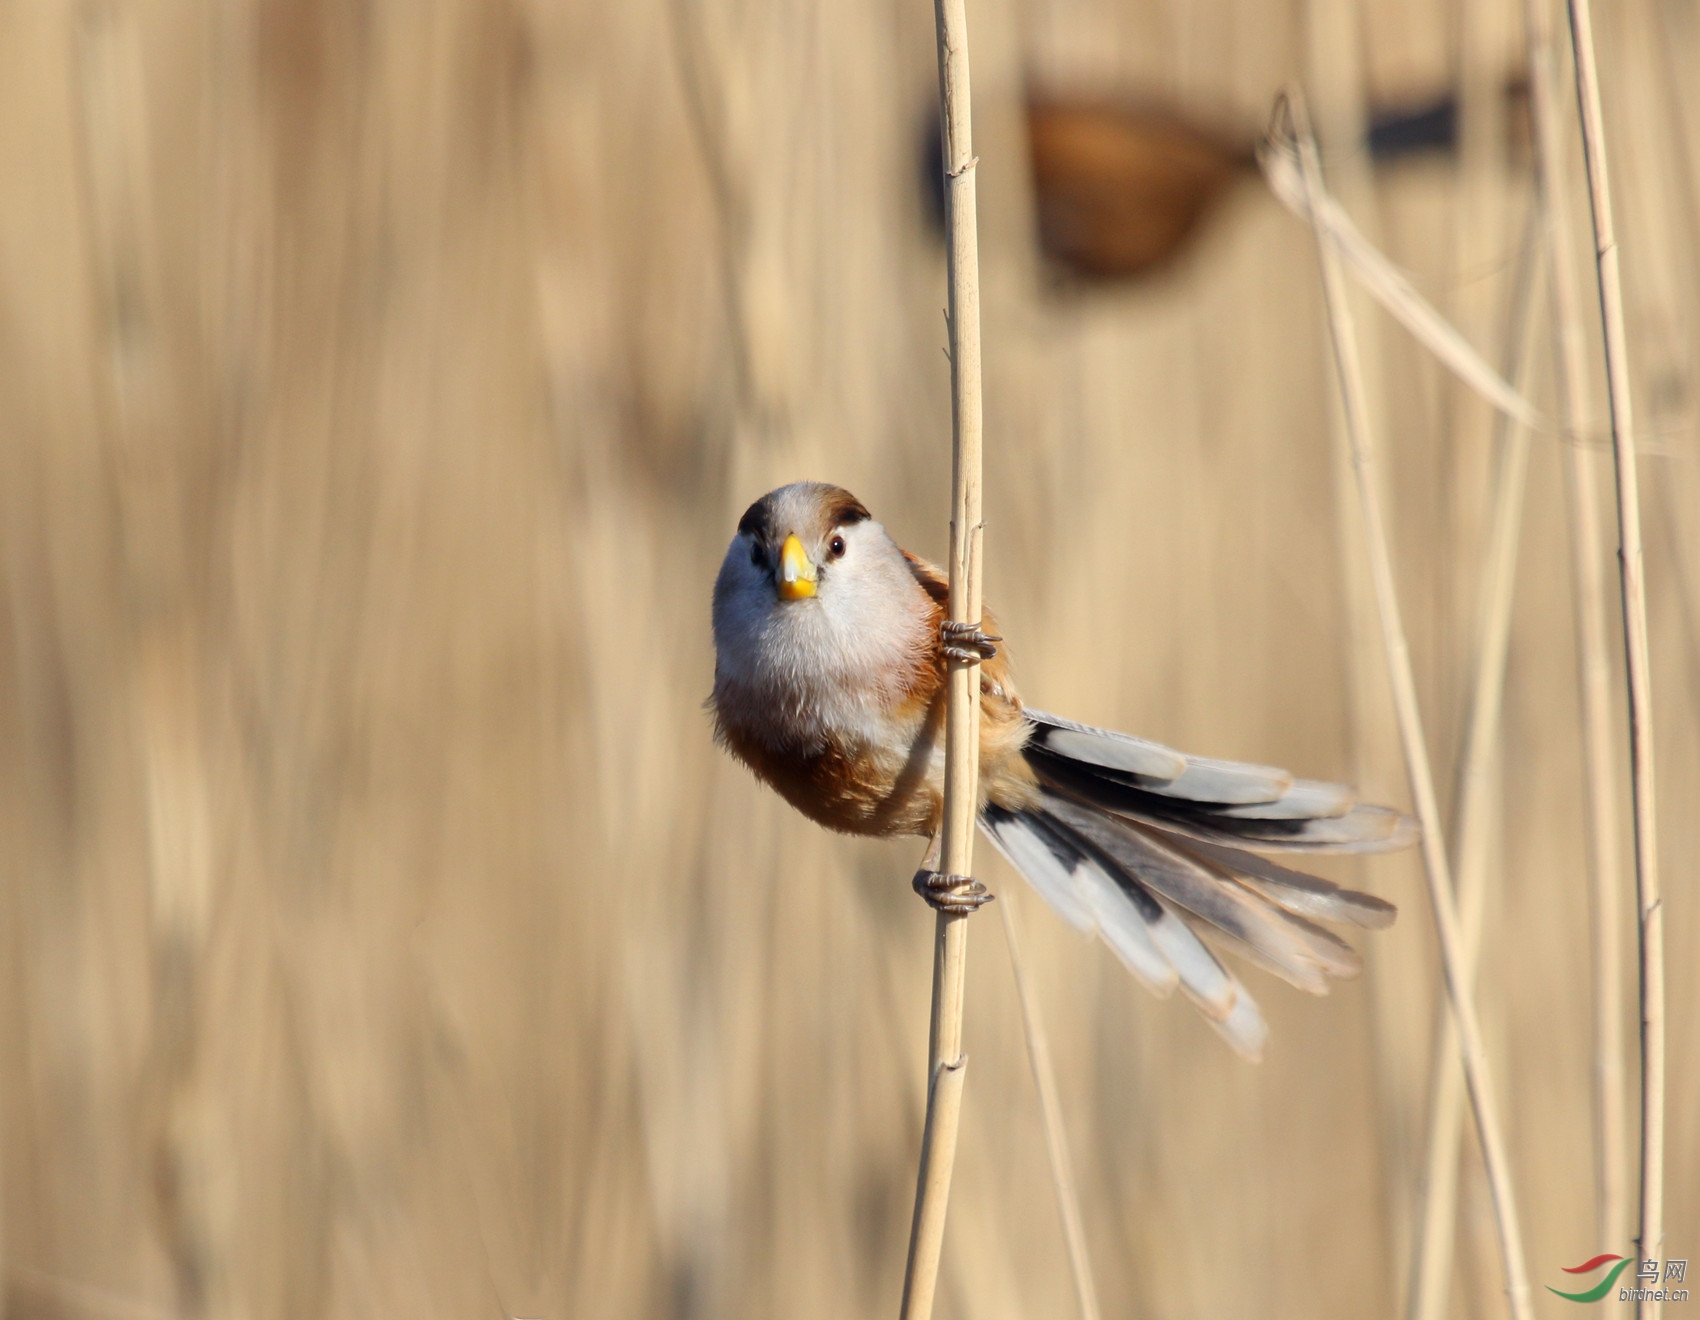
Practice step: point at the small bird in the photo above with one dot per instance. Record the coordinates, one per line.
(832, 647)
(1124, 184)
(1123, 188)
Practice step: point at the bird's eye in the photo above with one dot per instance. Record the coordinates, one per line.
(836, 547)
(755, 553)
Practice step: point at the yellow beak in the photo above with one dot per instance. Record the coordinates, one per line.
(796, 573)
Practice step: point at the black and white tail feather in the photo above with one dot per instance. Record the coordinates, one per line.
(1149, 848)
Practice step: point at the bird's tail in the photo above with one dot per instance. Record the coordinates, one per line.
(1150, 848)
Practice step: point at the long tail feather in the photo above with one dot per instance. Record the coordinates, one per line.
(1206, 893)
(1150, 849)
(1127, 914)
(1360, 828)
(1301, 894)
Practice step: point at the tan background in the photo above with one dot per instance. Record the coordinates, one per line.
(383, 935)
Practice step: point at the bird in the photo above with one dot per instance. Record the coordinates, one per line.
(1121, 189)
(1123, 184)
(832, 650)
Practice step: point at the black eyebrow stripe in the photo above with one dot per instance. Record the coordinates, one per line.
(758, 519)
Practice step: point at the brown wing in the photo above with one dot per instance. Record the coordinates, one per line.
(1004, 775)
(933, 582)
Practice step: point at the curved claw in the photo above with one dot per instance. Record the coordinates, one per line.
(957, 895)
(968, 642)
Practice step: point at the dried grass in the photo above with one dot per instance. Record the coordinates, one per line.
(509, 992)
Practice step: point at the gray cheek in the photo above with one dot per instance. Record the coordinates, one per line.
(869, 607)
(742, 606)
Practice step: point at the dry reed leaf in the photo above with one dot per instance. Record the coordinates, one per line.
(1394, 292)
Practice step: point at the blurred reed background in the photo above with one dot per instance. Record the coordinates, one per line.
(380, 384)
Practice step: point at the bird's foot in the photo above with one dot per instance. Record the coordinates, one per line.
(967, 642)
(957, 895)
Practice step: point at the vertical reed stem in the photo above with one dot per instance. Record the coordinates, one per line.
(1593, 672)
(1353, 401)
(946, 1064)
(1431, 1276)
(1050, 1109)
(1631, 577)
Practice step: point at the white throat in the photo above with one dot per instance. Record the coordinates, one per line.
(830, 668)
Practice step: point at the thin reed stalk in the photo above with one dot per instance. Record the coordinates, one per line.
(1403, 682)
(1593, 670)
(163, 648)
(1050, 1110)
(1431, 1273)
(1335, 79)
(946, 1063)
(1631, 570)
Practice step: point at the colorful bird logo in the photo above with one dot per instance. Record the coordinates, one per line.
(1600, 1289)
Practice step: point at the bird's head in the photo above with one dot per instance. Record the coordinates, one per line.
(796, 541)
(812, 585)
